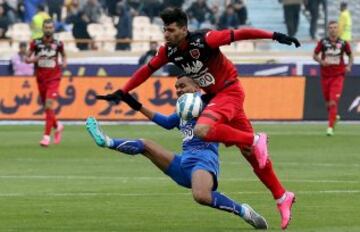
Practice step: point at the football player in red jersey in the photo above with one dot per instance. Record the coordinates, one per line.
(44, 53)
(223, 120)
(329, 53)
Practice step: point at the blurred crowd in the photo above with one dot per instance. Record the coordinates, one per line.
(75, 15)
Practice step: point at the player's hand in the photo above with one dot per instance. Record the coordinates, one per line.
(348, 68)
(64, 64)
(324, 63)
(35, 59)
(115, 97)
(285, 39)
(131, 101)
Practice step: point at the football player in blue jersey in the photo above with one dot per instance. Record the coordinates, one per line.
(197, 167)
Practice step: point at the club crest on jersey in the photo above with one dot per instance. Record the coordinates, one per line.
(195, 53)
(338, 45)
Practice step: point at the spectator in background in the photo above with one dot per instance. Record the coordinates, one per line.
(313, 7)
(229, 19)
(135, 5)
(240, 10)
(345, 22)
(72, 7)
(200, 15)
(19, 66)
(31, 7)
(20, 10)
(172, 3)
(124, 26)
(55, 9)
(111, 7)
(79, 31)
(93, 10)
(152, 9)
(4, 23)
(292, 15)
(37, 22)
(9, 11)
(145, 58)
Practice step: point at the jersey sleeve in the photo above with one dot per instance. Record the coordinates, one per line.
(32, 46)
(167, 122)
(61, 47)
(143, 73)
(224, 37)
(347, 48)
(318, 48)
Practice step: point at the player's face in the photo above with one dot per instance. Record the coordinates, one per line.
(48, 29)
(333, 30)
(174, 34)
(185, 85)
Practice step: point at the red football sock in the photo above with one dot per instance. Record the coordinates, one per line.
(55, 122)
(49, 121)
(332, 112)
(267, 176)
(228, 135)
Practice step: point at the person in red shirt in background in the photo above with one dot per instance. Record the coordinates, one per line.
(223, 119)
(44, 53)
(329, 53)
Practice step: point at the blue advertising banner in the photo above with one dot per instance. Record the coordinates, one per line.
(113, 70)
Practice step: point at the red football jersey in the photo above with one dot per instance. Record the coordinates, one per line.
(200, 58)
(333, 53)
(48, 65)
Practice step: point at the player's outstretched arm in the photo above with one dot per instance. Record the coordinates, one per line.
(139, 77)
(167, 122)
(219, 38)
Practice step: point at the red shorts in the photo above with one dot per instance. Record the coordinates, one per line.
(332, 87)
(48, 89)
(227, 107)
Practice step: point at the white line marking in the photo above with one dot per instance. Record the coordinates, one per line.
(165, 178)
(90, 194)
(54, 159)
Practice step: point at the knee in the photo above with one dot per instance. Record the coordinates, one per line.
(332, 103)
(203, 197)
(49, 104)
(201, 131)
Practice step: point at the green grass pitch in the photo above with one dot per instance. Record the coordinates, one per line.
(76, 186)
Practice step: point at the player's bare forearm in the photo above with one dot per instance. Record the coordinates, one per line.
(64, 59)
(147, 113)
(318, 59)
(351, 59)
(29, 59)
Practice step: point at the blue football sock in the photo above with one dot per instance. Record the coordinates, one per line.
(127, 146)
(222, 202)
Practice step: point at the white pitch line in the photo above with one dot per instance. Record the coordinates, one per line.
(165, 178)
(90, 194)
(342, 165)
(346, 165)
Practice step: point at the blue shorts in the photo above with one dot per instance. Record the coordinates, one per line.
(183, 166)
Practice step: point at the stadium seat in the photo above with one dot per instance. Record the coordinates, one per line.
(244, 46)
(358, 47)
(5, 47)
(69, 41)
(96, 31)
(19, 32)
(141, 20)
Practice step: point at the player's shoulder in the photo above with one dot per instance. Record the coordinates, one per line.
(36, 41)
(58, 42)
